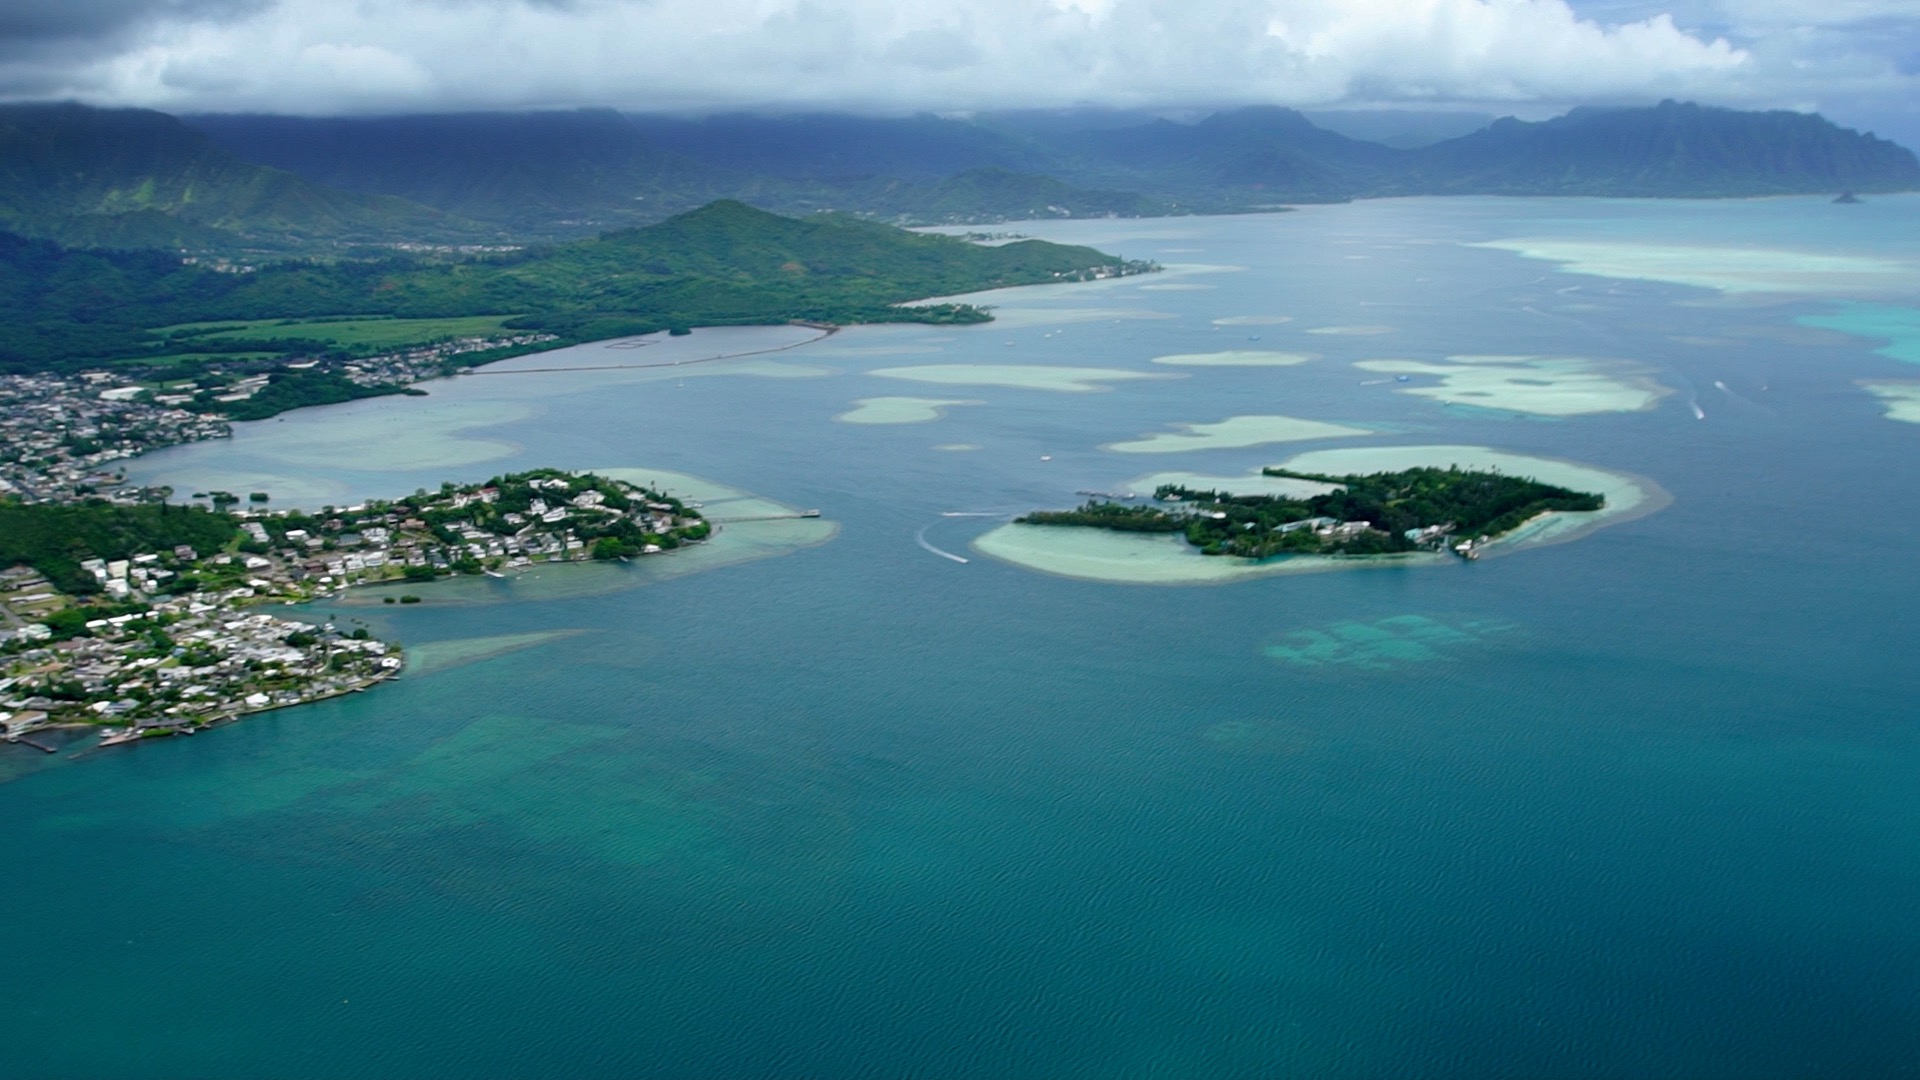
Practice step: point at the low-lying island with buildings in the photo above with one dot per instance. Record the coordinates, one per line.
(1386, 513)
(144, 618)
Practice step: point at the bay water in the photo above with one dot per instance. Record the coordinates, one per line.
(1642, 804)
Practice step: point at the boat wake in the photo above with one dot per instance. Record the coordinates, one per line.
(921, 539)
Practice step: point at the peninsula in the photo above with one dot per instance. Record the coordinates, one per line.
(143, 615)
(1374, 514)
(244, 341)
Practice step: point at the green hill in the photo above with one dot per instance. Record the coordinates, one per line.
(724, 264)
(132, 178)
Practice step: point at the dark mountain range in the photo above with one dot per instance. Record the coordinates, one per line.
(540, 172)
(132, 178)
(820, 147)
(1402, 129)
(129, 178)
(1672, 149)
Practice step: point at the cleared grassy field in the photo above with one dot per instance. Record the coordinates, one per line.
(369, 332)
(190, 360)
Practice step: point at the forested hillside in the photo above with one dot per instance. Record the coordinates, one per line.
(723, 264)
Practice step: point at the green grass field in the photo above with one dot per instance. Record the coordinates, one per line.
(191, 361)
(369, 332)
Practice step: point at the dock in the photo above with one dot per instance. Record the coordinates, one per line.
(766, 517)
(43, 747)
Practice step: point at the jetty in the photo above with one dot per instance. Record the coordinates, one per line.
(766, 517)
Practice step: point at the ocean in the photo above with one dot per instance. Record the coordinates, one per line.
(856, 797)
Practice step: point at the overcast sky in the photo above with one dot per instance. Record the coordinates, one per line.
(1856, 60)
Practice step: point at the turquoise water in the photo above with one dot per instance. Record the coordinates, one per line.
(1900, 326)
(1638, 805)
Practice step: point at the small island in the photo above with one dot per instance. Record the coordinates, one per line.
(1386, 513)
(144, 616)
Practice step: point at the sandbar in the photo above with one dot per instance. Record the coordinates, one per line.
(1234, 432)
(1070, 380)
(1723, 269)
(899, 410)
(1235, 358)
(1543, 386)
(436, 656)
(1253, 320)
(1351, 331)
(1901, 396)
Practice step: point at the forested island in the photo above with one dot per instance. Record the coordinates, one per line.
(1385, 513)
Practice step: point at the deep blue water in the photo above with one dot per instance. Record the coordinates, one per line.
(1641, 805)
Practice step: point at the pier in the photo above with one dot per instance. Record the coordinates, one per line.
(766, 517)
(43, 747)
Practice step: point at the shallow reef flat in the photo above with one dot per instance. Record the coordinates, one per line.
(899, 410)
(1541, 385)
(1146, 559)
(436, 656)
(1235, 358)
(1901, 396)
(1385, 645)
(1351, 331)
(1898, 326)
(1167, 559)
(1253, 320)
(1235, 432)
(1069, 380)
(1724, 269)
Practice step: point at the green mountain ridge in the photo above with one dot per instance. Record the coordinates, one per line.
(136, 178)
(724, 264)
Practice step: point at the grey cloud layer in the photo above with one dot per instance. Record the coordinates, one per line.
(317, 56)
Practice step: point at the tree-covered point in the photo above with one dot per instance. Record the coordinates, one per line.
(1371, 514)
(56, 539)
(726, 264)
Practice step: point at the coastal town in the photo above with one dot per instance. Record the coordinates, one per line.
(62, 436)
(171, 639)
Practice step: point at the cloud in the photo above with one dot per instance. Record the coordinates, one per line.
(318, 56)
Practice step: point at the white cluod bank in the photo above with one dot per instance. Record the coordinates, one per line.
(1167, 559)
